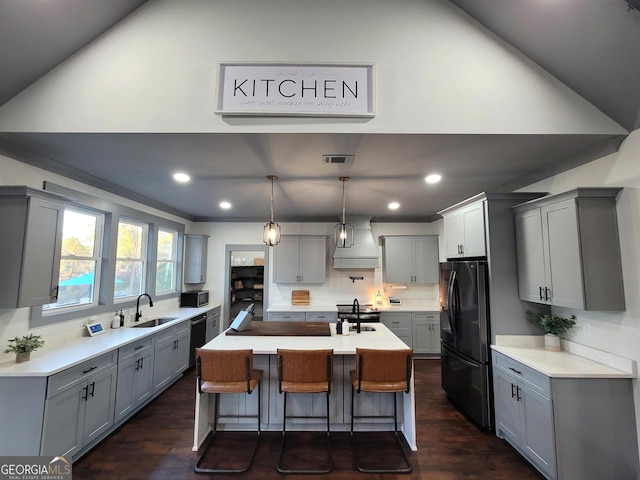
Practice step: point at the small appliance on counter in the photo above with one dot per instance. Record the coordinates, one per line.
(194, 298)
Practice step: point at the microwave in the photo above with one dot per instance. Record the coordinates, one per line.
(194, 298)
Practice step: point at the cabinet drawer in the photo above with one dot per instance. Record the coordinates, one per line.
(322, 316)
(536, 380)
(287, 317)
(134, 348)
(74, 375)
(396, 320)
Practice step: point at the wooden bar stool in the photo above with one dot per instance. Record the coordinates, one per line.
(304, 371)
(381, 371)
(226, 371)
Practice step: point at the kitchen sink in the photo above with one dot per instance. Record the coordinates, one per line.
(155, 322)
(362, 329)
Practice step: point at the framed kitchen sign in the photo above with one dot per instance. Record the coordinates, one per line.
(291, 89)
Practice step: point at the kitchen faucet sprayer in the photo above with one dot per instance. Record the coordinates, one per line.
(138, 312)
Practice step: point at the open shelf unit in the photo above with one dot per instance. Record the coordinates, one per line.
(247, 286)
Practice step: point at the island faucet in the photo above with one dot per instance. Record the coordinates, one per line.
(356, 310)
(138, 312)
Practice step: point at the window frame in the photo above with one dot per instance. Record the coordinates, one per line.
(174, 260)
(143, 259)
(113, 212)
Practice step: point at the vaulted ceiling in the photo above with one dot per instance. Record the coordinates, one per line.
(589, 45)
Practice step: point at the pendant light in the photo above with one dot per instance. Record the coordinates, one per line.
(344, 230)
(271, 235)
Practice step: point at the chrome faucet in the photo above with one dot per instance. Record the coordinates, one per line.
(356, 310)
(138, 312)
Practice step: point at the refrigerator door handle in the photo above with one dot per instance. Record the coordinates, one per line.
(453, 306)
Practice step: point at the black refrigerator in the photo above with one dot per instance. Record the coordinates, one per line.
(465, 337)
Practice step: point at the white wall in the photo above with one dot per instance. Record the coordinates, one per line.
(338, 287)
(437, 71)
(617, 332)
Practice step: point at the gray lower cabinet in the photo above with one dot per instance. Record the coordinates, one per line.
(287, 317)
(330, 317)
(400, 323)
(171, 355)
(568, 428)
(80, 406)
(30, 254)
(135, 376)
(426, 333)
(212, 324)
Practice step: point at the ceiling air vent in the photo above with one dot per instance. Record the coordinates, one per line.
(339, 159)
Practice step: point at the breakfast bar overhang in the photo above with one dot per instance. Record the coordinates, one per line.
(375, 336)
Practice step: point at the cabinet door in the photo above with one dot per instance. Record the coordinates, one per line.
(181, 351)
(313, 259)
(507, 409)
(530, 255)
(538, 430)
(41, 255)
(426, 265)
(287, 260)
(143, 379)
(195, 258)
(473, 244)
(421, 334)
(453, 234)
(398, 260)
(124, 390)
(163, 365)
(560, 238)
(99, 407)
(63, 422)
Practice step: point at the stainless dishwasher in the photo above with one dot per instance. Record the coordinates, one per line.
(198, 336)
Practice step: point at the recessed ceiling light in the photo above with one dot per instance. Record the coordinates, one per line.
(225, 205)
(433, 178)
(181, 177)
(394, 205)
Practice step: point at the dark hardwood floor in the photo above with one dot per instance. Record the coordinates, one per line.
(156, 443)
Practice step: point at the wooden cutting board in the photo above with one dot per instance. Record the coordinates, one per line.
(285, 329)
(300, 297)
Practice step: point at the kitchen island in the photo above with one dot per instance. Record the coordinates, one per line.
(344, 348)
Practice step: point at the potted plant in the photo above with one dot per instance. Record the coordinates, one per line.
(552, 326)
(23, 347)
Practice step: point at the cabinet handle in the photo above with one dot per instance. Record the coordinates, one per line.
(541, 294)
(86, 391)
(141, 362)
(518, 390)
(547, 293)
(514, 370)
(138, 348)
(93, 388)
(84, 372)
(513, 393)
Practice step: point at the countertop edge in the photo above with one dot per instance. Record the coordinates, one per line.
(49, 362)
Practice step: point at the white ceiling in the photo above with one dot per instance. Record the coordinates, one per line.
(590, 45)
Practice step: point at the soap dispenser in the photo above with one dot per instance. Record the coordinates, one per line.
(115, 323)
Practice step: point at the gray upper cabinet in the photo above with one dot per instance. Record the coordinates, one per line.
(411, 259)
(195, 258)
(568, 250)
(30, 246)
(300, 259)
(464, 231)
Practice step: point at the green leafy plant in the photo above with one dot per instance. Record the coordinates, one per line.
(28, 343)
(552, 324)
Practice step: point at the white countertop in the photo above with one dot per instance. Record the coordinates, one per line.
(49, 362)
(341, 344)
(409, 306)
(562, 364)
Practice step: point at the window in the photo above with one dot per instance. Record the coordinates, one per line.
(80, 261)
(131, 257)
(167, 259)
